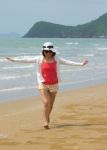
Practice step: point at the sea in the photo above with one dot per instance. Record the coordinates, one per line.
(18, 80)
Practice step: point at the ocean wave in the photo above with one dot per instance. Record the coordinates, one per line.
(102, 48)
(17, 88)
(74, 70)
(86, 55)
(2, 59)
(22, 55)
(17, 67)
(72, 43)
(6, 77)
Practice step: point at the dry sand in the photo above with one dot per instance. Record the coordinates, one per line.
(78, 122)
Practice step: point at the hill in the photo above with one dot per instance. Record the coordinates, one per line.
(94, 29)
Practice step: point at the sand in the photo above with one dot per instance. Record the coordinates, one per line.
(78, 122)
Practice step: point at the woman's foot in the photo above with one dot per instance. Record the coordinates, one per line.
(46, 126)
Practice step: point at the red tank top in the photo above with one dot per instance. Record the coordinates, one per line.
(49, 72)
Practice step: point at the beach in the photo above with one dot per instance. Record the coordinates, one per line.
(78, 122)
(18, 80)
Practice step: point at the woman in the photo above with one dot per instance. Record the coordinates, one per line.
(48, 76)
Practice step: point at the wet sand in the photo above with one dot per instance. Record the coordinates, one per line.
(78, 122)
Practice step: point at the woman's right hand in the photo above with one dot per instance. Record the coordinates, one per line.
(10, 59)
(85, 62)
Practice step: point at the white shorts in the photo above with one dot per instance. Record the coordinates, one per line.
(50, 88)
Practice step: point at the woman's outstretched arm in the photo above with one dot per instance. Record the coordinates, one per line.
(69, 62)
(22, 59)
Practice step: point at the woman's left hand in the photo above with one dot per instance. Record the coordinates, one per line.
(85, 62)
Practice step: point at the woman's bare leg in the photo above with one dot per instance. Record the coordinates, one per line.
(48, 100)
(52, 96)
(46, 106)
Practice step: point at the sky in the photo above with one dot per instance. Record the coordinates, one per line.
(20, 15)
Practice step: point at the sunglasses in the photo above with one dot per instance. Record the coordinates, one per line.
(48, 51)
(50, 46)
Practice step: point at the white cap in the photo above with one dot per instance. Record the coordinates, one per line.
(48, 46)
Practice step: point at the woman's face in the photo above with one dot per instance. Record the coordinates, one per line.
(48, 53)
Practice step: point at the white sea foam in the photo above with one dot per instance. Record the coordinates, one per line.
(74, 69)
(87, 55)
(17, 88)
(8, 77)
(18, 67)
(2, 59)
(102, 48)
(72, 43)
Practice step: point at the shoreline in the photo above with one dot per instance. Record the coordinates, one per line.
(78, 121)
(25, 94)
